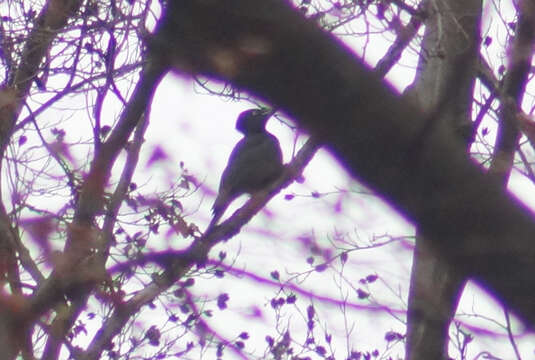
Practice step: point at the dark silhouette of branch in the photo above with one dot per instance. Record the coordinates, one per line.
(443, 86)
(53, 17)
(514, 84)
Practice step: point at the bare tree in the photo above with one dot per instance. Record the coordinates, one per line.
(74, 224)
(426, 175)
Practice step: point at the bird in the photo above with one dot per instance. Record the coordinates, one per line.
(255, 161)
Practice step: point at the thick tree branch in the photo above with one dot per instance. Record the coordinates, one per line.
(445, 75)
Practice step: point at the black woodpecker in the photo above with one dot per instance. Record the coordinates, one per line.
(255, 161)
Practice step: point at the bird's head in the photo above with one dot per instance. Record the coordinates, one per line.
(253, 120)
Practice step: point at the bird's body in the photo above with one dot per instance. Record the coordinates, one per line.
(255, 161)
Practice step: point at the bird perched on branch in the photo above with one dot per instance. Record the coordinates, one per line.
(255, 161)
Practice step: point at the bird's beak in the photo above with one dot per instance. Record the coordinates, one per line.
(268, 111)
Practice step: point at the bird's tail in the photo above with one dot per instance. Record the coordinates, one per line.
(218, 209)
(214, 221)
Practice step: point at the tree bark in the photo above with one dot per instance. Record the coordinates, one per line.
(445, 79)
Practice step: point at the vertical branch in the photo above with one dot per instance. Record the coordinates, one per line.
(514, 84)
(445, 78)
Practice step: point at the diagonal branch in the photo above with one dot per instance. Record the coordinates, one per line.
(53, 17)
(403, 39)
(514, 84)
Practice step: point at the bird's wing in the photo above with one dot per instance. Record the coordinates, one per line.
(255, 161)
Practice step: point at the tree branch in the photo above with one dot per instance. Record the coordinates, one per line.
(403, 39)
